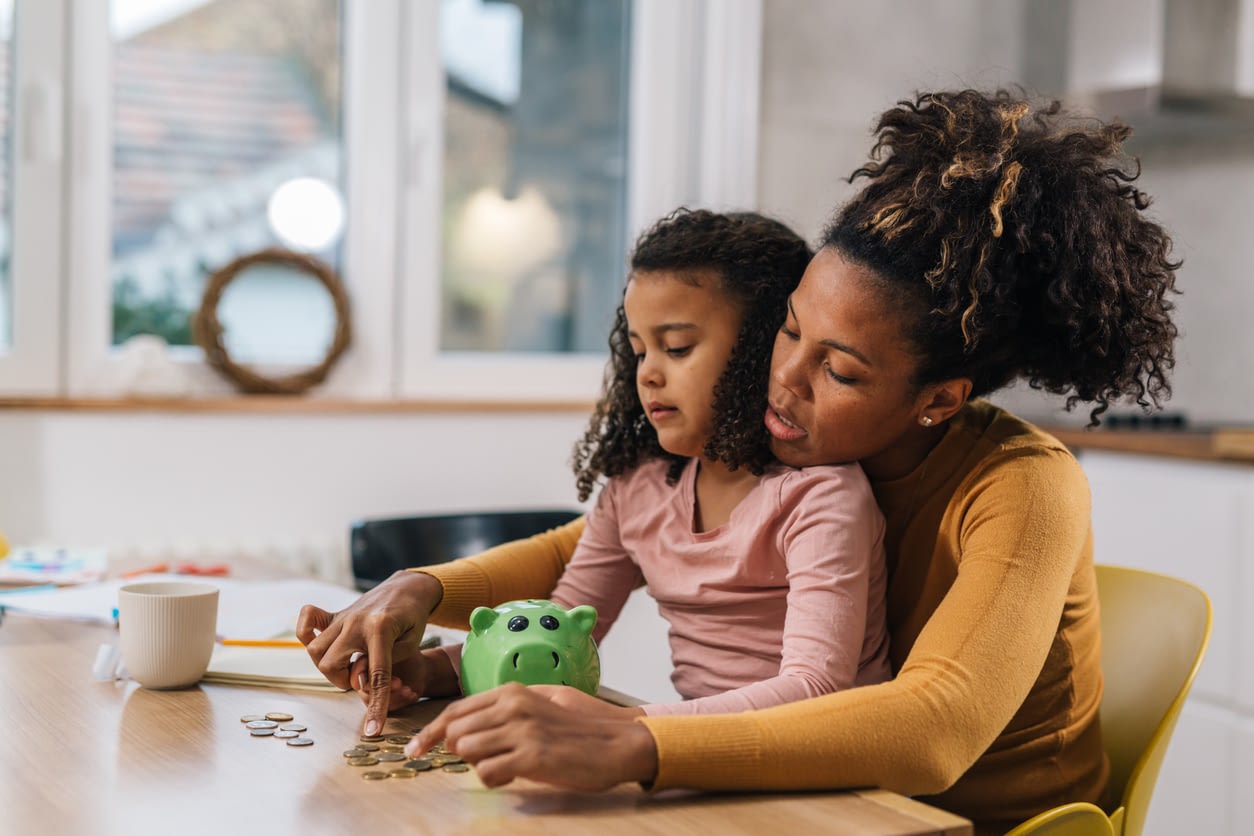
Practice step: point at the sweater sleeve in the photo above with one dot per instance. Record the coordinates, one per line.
(527, 568)
(831, 535)
(1024, 525)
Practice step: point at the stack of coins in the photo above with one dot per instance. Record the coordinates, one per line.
(277, 724)
(390, 749)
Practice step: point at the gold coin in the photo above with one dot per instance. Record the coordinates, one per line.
(300, 741)
(355, 753)
(391, 747)
(248, 718)
(363, 761)
(296, 727)
(419, 764)
(286, 734)
(279, 716)
(261, 724)
(403, 773)
(369, 747)
(444, 760)
(374, 775)
(371, 738)
(457, 767)
(399, 739)
(390, 757)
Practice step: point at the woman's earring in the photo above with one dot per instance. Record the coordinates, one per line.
(926, 421)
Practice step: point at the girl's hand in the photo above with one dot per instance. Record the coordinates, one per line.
(568, 739)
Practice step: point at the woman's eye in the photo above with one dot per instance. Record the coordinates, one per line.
(839, 378)
(789, 333)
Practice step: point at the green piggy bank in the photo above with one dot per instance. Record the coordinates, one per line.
(532, 642)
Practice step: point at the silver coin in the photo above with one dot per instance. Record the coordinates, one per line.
(286, 735)
(261, 732)
(300, 741)
(261, 724)
(248, 718)
(296, 727)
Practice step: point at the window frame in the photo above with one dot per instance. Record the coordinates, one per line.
(693, 141)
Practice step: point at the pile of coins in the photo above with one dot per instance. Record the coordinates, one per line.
(380, 749)
(277, 724)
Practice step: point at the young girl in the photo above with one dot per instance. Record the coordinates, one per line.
(772, 578)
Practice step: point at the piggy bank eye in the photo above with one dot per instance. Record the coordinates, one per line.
(548, 622)
(517, 624)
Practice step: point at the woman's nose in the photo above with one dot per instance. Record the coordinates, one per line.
(787, 367)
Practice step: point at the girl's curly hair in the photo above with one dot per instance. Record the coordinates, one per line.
(1013, 242)
(758, 262)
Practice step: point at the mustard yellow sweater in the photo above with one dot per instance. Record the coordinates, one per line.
(993, 621)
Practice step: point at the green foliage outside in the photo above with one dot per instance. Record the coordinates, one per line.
(163, 315)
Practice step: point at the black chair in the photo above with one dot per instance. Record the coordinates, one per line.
(382, 546)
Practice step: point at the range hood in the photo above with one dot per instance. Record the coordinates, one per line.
(1176, 70)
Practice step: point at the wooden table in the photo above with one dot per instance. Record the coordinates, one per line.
(80, 756)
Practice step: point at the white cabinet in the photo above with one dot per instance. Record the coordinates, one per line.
(1194, 520)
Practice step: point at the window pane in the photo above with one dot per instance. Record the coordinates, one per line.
(226, 120)
(6, 163)
(534, 173)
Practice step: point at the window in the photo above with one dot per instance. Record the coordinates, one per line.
(474, 170)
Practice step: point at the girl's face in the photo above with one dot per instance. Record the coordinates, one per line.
(683, 336)
(841, 374)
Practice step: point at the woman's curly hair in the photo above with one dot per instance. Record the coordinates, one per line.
(1014, 243)
(758, 262)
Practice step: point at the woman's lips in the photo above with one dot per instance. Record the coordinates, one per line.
(781, 427)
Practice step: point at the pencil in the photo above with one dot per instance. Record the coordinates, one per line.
(261, 642)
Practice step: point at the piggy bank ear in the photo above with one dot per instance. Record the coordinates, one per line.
(584, 617)
(481, 618)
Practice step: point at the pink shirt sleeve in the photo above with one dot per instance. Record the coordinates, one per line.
(833, 548)
(601, 572)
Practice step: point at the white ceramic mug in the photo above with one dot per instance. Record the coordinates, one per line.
(167, 631)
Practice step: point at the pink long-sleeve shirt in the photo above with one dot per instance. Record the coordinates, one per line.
(783, 602)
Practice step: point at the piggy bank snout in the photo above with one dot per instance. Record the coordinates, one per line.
(536, 656)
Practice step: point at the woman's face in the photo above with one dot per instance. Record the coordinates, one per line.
(841, 374)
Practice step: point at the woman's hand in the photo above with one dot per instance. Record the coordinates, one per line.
(554, 734)
(429, 674)
(385, 624)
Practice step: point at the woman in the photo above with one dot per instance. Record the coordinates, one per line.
(992, 242)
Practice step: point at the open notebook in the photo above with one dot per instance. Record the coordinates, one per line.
(285, 667)
(272, 667)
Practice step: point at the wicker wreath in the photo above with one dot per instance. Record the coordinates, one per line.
(207, 330)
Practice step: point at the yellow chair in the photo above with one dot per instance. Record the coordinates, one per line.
(1155, 629)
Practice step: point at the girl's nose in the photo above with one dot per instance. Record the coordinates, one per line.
(649, 372)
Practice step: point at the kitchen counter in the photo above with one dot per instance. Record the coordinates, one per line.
(1221, 444)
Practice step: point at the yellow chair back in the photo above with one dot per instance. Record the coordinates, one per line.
(1155, 629)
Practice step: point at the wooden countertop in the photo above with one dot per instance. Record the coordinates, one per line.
(1222, 444)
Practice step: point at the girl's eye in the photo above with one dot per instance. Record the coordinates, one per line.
(639, 358)
(678, 352)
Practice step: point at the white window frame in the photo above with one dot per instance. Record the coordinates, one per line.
(693, 141)
(31, 365)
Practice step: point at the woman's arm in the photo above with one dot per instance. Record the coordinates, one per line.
(528, 568)
(1025, 527)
